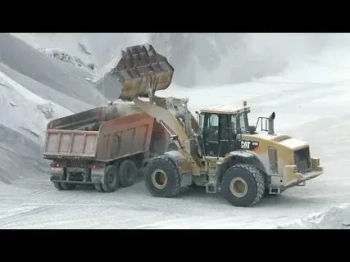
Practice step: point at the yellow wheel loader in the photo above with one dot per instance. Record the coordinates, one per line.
(219, 149)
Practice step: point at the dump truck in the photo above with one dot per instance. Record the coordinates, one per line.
(103, 146)
(216, 148)
(106, 146)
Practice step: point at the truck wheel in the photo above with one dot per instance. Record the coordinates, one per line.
(243, 185)
(162, 178)
(110, 179)
(127, 173)
(68, 186)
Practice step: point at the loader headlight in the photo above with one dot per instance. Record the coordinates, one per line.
(315, 162)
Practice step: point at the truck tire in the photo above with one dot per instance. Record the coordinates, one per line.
(243, 185)
(127, 173)
(110, 179)
(68, 186)
(162, 178)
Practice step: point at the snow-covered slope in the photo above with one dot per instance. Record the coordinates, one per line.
(49, 71)
(199, 59)
(307, 90)
(334, 218)
(23, 119)
(96, 48)
(34, 89)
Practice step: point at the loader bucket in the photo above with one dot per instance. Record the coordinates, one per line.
(142, 71)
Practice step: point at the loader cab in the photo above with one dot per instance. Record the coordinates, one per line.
(220, 129)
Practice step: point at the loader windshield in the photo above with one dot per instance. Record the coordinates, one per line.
(239, 123)
(243, 122)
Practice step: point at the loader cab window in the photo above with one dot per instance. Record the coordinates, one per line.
(213, 127)
(209, 124)
(234, 125)
(217, 133)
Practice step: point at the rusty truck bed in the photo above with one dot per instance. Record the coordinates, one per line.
(116, 138)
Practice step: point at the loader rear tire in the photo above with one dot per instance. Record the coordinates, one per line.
(110, 179)
(127, 173)
(243, 185)
(162, 178)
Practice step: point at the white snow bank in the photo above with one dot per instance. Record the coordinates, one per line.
(334, 218)
(24, 111)
(97, 48)
(65, 57)
(23, 120)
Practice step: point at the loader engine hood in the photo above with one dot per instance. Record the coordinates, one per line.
(279, 150)
(281, 140)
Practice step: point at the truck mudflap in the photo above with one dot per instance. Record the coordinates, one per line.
(142, 71)
(91, 176)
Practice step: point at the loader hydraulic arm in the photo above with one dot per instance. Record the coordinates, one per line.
(164, 115)
(142, 71)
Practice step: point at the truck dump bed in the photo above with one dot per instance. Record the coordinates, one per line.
(101, 134)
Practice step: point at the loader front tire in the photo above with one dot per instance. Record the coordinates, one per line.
(162, 178)
(127, 173)
(243, 185)
(110, 179)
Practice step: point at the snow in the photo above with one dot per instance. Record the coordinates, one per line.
(64, 56)
(17, 100)
(334, 218)
(309, 95)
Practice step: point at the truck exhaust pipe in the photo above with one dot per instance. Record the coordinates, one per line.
(271, 130)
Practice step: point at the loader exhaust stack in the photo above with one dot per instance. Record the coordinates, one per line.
(271, 119)
(142, 71)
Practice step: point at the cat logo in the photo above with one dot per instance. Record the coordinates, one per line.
(245, 144)
(250, 145)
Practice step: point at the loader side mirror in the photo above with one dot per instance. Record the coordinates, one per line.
(252, 129)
